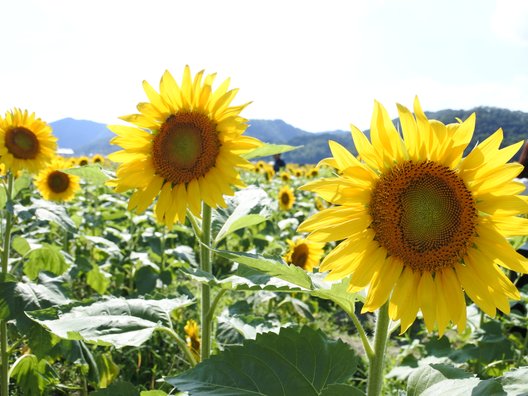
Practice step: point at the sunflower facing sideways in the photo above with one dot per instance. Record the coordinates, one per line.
(55, 185)
(184, 148)
(26, 142)
(304, 253)
(420, 225)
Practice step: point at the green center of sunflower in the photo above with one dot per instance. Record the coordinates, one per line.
(185, 148)
(58, 181)
(424, 214)
(22, 143)
(300, 255)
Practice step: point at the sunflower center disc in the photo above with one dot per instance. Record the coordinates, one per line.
(300, 255)
(285, 198)
(423, 214)
(22, 143)
(58, 181)
(185, 148)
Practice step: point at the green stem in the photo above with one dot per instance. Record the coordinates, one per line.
(214, 304)
(361, 331)
(375, 375)
(4, 371)
(181, 343)
(205, 265)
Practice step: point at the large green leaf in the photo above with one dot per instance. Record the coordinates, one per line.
(259, 272)
(288, 363)
(271, 266)
(92, 174)
(32, 375)
(17, 297)
(436, 379)
(45, 258)
(515, 382)
(50, 211)
(268, 149)
(113, 321)
(248, 207)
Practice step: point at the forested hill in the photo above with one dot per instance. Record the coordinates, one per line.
(87, 137)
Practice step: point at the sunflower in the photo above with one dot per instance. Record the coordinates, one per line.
(192, 337)
(420, 224)
(304, 253)
(83, 161)
(55, 185)
(185, 147)
(98, 159)
(285, 176)
(286, 198)
(26, 142)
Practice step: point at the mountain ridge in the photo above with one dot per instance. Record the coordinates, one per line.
(88, 137)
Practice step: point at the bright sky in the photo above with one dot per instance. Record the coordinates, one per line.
(317, 65)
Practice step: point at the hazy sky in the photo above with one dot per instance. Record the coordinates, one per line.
(317, 65)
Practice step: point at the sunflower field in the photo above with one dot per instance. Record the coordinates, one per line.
(185, 264)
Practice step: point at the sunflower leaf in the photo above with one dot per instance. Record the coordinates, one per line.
(113, 321)
(288, 363)
(271, 266)
(92, 174)
(268, 149)
(248, 207)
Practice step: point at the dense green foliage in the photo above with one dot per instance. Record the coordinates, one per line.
(98, 299)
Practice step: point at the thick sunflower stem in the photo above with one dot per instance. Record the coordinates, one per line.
(206, 266)
(4, 354)
(376, 361)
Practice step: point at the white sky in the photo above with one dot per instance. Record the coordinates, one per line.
(317, 65)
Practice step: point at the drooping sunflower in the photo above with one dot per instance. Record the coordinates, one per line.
(26, 142)
(421, 225)
(286, 198)
(55, 185)
(185, 147)
(304, 253)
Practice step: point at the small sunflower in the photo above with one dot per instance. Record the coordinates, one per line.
(285, 177)
(420, 225)
(269, 172)
(304, 253)
(185, 147)
(55, 185)
(83, 161)
(286, 198)
(26, 142)
(98, 159)
(192, 337)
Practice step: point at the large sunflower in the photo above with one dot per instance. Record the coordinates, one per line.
(420, 225)
(304, 253)
(26, 142)
(55, 185)
(184, 149)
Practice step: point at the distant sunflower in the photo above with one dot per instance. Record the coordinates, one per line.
(192, 337)
(185, 148)
(304, 253)
(55, 185)
(98, 159)
(420, 224)
(286, 198)
(83, 161)
(26, 142)
(285, 177)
